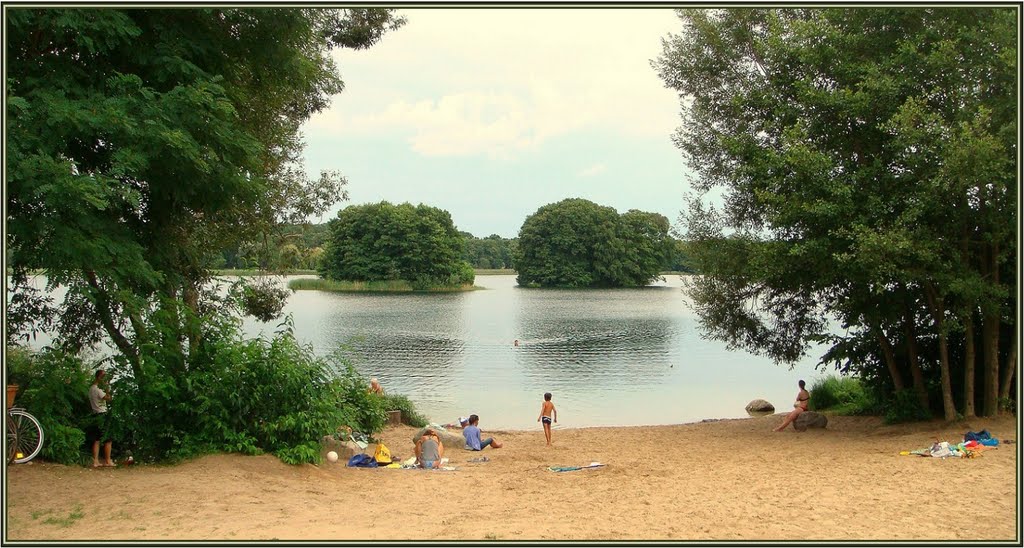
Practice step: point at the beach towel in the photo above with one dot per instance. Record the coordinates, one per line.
(573, 468)
(359, 439)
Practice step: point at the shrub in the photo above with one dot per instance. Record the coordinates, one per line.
(247, 396)
(905, 407)
(842, 396)
(54, 388)
(409, 414)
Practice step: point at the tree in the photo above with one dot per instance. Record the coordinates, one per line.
(141, 142)
(383, 241)
(490, 252)
(577, 243)
(867, 162)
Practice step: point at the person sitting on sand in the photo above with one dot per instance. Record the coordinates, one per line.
(799, 406)
(429, 450)
(472, 435)
(462, 423)
(375, 387)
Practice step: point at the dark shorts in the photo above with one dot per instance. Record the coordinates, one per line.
(545, 420)
(97, 428)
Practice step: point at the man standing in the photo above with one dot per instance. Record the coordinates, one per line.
(472, 435)
(98, 430)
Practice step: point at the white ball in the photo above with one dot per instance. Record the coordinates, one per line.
(332, 456)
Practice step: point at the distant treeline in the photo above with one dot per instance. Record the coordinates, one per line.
(300, 247)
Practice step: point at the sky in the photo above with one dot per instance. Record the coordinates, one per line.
(492, 113)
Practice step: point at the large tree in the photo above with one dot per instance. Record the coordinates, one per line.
(383, 241)
(577, 243)
(866, 163)
(143, 141)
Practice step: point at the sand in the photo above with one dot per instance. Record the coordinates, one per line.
(726, 480)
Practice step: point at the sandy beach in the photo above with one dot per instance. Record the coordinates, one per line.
(728, 480)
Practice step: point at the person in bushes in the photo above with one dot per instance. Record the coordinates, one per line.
(375, 387)
(98, 429)
(799, 406)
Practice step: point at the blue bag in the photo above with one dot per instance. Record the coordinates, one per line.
(978, 436)
(362, 460)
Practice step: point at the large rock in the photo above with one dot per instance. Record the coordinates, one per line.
(451, 440)
(760, 406)
(810, 419)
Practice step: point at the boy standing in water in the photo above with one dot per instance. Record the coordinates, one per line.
(548, 413)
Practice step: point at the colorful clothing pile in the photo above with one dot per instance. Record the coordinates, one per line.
(972, 446)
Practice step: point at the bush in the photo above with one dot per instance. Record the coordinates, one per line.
(54, 388)
(905, 407)
(246, 396)
(842, 396)
(409, 414)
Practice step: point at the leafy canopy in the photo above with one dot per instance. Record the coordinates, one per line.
(383, 241)
(577, 243)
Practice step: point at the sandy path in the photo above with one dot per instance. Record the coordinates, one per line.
(727, 480)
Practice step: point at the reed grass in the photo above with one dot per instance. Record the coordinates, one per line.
(379, 286)
(493, 271)
(257, 272)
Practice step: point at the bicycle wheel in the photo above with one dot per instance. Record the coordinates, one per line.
(29, 434)
(12, 439)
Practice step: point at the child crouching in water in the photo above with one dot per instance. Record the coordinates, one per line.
(548, 414)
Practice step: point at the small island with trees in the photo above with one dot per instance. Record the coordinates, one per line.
(387, 247)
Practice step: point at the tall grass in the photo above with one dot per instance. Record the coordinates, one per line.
(843, 396)
(382, 286)
(257, 272)
(493, 271)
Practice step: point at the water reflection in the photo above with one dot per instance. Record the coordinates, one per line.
(610, 357)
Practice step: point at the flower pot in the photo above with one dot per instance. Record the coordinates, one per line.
(12, 390)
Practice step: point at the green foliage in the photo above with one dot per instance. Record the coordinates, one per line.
(54, 388)
(904, 406)
(402, 403)
(375, 242)
(852, 165)
(842, 396)
(492, 252)
(384, 286)
(262, 298)
(577, 243)
(142, 142)
(246, 396)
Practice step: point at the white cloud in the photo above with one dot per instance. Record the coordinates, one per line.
(595, 169)
(498, 82)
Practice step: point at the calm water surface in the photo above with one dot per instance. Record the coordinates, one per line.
(609, 357)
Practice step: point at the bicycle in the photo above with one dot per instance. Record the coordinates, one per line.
(24, 436)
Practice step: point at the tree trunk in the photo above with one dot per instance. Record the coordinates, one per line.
(969, 364)
(130, 352)
(1009, 371)
(190, 295)
(938, 311)
(990, 352)
(890, 359)
(912, 359)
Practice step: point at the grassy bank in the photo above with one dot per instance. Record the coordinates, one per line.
(383, 286)
(256, 272)
(493, 271)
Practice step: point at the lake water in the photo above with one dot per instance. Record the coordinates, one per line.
(609, 357)
(613, 357)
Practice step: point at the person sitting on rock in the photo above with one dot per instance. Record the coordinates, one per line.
(799, 406)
